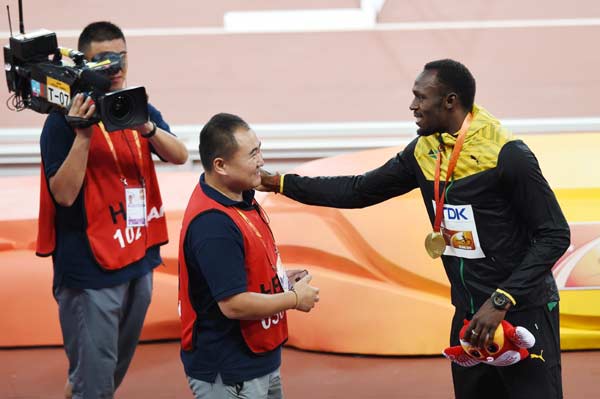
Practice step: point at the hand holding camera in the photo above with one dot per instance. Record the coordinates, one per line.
(80, 114)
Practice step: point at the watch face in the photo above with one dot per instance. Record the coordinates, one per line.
(499, 300)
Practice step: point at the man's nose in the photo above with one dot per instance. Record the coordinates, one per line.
(261, 160)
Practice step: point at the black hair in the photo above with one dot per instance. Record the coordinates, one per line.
(100, 31)
(217, 138)
(457, 78)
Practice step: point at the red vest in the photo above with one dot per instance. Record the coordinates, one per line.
(260, 335)
(113, 244)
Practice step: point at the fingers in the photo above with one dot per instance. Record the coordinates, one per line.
(91, 109)
(268, 182)
(308, 295)
(480, 339)
(471, 334)
(479, 336)
(82, 107)
(316, 291)
(265, 173)
(474, 333)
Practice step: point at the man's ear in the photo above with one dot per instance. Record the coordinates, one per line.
(219, 166)
(451, 101)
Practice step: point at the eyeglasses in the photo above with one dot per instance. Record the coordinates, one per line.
(110, 62)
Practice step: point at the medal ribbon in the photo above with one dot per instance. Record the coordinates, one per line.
(262, 240)
(439, 200)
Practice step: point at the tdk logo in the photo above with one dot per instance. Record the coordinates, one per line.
(455, 213)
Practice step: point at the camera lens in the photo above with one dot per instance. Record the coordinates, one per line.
(123, 108)
(120, 107)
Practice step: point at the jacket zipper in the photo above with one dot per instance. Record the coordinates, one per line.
(462, 263)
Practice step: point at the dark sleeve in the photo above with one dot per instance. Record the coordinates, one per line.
(537, 207)
(155, 116)
(55, 142)
(395, 177)
(216, 248)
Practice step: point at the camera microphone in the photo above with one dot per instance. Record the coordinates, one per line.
(77, 56)
(95, 79)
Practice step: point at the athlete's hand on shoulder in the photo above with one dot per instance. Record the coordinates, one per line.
(268, 181)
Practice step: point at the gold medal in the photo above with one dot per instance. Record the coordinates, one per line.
(435, 244)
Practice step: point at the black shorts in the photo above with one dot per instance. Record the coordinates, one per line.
(538, 376)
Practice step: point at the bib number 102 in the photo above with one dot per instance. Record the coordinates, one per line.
(131, 234)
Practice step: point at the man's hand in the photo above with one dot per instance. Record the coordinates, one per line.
(269, 182)
(80, 111)
(307, 294)
(482, 328)
(144, 128)
(295, 275)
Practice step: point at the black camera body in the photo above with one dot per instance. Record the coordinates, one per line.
(42, 82)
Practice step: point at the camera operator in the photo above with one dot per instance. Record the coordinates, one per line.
(101, 219)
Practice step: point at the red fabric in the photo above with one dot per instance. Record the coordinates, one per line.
(260, 335)
(508, 347)
(46, 238)
(113, 245)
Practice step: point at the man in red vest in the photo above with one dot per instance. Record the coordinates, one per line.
(233, 289)
(101, 219)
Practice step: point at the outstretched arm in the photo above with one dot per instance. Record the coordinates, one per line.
(395, 177)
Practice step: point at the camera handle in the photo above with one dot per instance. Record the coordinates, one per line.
(81, 123)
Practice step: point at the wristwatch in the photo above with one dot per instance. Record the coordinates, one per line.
(500, 301)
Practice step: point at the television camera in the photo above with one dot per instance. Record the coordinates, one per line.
(42, 81)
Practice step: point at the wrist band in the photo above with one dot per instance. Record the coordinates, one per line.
(281, 183)
(151, 132)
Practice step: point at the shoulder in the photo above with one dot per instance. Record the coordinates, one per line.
(517, 162)
(152, 110)
(425, 150)
(56, 137)
(424, 146)
(487, 132)
(516, 154)
(213, 224)
(410, 147)
(55, 121)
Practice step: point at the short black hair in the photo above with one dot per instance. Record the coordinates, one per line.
(217, 138)
(457, 78)
(100, 31)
